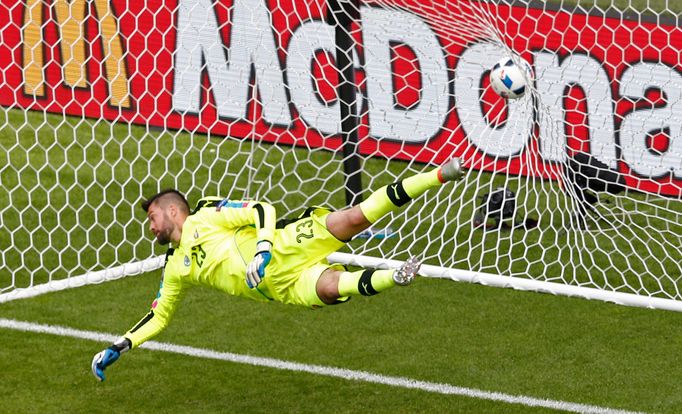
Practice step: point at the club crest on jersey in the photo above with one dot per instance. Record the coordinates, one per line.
(187, 261)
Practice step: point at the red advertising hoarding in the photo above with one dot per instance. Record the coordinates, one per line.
(249, 68)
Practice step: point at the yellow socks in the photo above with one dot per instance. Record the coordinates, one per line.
(366, 282)
(393, 196)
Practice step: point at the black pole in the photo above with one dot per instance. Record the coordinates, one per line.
(342, 14)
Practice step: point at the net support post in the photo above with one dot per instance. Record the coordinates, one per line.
(342, 14)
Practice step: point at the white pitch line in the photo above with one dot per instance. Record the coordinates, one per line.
(347, 374)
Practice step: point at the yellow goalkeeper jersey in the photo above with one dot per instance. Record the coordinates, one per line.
(218, 241)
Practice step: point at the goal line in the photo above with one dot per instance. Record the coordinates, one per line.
(459, 275)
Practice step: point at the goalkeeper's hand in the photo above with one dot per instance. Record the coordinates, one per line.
(255, 271)
(107, 357)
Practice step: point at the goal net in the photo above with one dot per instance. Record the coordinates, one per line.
(576, 188)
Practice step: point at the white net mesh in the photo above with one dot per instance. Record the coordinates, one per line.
(104, 103)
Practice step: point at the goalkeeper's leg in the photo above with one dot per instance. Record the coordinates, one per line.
(335, 285)
(345, 224)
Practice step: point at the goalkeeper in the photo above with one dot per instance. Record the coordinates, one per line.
(238, 248)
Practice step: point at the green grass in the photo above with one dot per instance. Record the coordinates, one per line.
(472, 336)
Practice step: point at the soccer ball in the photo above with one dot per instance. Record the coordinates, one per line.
(508, 79)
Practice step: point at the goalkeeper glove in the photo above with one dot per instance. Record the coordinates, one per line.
(255, 271)
(109, 356)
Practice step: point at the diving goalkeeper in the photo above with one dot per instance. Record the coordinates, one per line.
(238, 248)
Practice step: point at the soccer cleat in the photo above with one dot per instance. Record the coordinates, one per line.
(451, 170)
(405, 274)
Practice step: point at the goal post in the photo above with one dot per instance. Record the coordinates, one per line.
(344, 16)
(574, 189)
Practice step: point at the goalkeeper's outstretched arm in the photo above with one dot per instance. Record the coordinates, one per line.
(167, 212)
(163, 307)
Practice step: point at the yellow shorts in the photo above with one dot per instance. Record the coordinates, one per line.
(299, 257)
(304, 291)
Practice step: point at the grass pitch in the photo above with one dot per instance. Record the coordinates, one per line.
(517, 343)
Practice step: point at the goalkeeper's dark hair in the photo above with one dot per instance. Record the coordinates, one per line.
(165, 197)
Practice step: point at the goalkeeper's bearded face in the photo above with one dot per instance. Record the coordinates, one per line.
(160, 224)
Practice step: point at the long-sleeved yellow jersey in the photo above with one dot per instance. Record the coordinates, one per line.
(218, 241)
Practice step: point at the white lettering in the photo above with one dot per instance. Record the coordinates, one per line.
(552, 79)
(199, 48)
(636, 125)
(309, 38)
(252, 52)
(505, 140)
(423, 120)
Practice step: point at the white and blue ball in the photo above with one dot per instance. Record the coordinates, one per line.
(508, 79)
